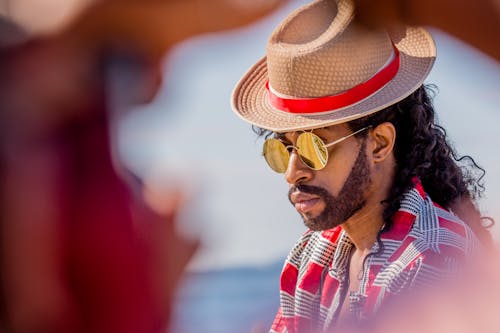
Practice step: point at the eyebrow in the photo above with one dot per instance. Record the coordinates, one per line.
(280, 136)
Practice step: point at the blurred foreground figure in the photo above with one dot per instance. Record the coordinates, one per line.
(390, 207)
(467, 304)
(80, 252)
(476, 22)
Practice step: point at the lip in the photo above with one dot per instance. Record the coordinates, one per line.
(304, 202)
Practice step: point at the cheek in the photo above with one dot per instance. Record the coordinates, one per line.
(334, 175)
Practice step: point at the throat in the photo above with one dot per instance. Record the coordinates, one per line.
(364, 227)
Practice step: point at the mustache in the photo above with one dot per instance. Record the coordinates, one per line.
(310, 189)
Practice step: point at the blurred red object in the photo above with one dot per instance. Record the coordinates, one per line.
(80, 251)
(476, 22)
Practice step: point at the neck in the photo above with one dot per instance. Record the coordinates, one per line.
(363, 227)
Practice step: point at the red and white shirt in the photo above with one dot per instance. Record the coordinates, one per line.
(425, 244)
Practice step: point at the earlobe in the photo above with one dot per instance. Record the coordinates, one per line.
(383, 137)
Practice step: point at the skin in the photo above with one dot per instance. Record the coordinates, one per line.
(363, 226)
(338, 208)
(474, 22)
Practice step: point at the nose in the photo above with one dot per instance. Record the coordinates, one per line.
(297, 172)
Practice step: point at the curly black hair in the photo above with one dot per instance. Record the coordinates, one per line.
(422, 150)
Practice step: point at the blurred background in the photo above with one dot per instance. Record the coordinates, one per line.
(188, 137)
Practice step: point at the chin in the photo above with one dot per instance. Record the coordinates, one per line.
(317, 224)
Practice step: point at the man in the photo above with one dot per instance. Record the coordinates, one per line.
(351, 127)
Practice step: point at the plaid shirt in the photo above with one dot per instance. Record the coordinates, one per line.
(425, 244)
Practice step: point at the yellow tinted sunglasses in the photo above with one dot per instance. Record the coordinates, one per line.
(312, 151)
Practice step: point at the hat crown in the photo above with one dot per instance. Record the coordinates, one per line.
(318, 51)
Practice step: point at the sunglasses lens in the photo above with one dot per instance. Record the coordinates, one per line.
(276, 155)
(312, 151)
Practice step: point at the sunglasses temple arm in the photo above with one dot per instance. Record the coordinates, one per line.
(346, 137)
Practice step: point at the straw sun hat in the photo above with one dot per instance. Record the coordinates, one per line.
(323, 69)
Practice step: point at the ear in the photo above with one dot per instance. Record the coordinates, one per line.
(382, 139)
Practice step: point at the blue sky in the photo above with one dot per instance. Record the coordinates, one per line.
(239, 209)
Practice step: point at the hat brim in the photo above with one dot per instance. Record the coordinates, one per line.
(251, 103)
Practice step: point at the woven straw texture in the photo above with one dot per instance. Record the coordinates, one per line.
(318, 51)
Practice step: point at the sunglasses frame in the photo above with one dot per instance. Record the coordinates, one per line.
(325, 146)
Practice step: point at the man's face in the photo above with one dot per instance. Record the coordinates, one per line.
(327, 198)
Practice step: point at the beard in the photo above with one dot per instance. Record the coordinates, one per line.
(350, 199)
